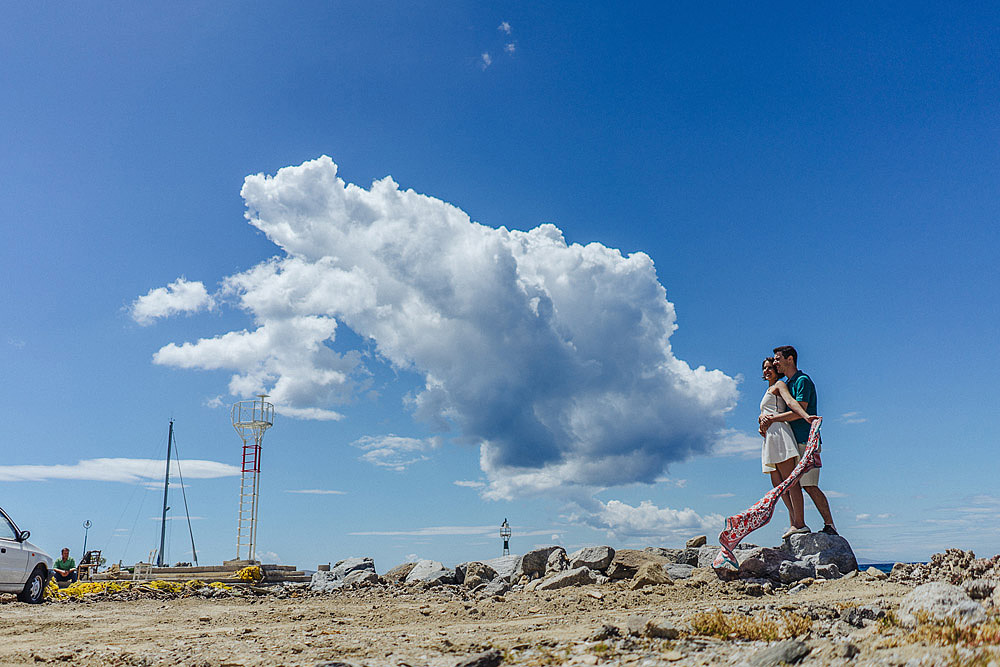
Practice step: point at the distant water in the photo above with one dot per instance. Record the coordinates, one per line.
(886, 567)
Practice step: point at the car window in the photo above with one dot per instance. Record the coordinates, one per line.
(6, 530)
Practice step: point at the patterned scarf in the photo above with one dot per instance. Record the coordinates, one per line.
(741, 525)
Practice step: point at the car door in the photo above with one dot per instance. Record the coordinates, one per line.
(13, 558)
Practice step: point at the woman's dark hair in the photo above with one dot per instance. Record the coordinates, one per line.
(770, 360)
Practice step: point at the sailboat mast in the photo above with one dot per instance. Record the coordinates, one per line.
(166, 484)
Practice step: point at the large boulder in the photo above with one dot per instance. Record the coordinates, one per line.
(344, 567)
(762, 562)
(504, 566)
(791, 571)
(347, 572)
(823, 549)
(695, 542)
(533, 563)
(579, 576)
(650, 574)
(596, 558)
(672, 555)
(478, 573)
(557, 561)
(431, 572)
(940, 602)
(626, 562)
(398, 574)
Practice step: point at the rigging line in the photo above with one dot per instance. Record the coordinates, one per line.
(144, 483)
(194, 552)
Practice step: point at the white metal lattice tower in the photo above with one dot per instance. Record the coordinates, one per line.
(250, 419)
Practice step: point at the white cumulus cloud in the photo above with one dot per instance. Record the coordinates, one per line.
(554, 358)
(180, 296)
(623, 521)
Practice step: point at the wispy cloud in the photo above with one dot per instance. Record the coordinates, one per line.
(853, 418)
(835, 494)
(510, 48)
(504, 27)
(469, 484)
(114, 470)
(723, 495)
(862, 517)
(392, 451)
(485, 60)
(318, 492)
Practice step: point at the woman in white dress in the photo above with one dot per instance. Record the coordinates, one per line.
(778, 455)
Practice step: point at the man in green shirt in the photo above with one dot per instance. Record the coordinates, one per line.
(802, 389)
(64, 569)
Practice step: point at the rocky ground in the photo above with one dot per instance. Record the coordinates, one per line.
(694, 619)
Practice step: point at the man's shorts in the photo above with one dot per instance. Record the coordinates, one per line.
(811, 478)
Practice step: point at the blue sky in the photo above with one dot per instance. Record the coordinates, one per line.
(567, 184)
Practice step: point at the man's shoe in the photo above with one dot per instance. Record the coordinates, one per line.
(829, 530)
(804, 530)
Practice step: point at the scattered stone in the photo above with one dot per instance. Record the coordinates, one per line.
(696, 542)
(658, 628)
(580, 576)
(532, 564)
(940, 602)
(857, 616)
(596, 558)
(787, 652)
(672, 656)
(636, 625)
(557, 561)
(491, 658)
(650, 574)
(847, 650)
(828, 571)
(798, 588)
(875, 573)
(606, 631)
(754, 589)
(979, 589)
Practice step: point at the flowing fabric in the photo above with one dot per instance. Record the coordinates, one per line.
(758, 515)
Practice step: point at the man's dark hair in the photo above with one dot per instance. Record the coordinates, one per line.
(787, 351)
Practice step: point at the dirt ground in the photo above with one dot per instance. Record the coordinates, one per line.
(410, 627)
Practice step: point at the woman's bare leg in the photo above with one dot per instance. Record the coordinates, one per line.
(775, 481)
(794, 493)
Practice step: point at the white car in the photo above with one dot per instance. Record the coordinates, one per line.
(24, 568)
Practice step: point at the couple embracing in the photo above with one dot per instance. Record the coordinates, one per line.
(787, 410)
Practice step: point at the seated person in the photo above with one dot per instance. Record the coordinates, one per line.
(64, 569)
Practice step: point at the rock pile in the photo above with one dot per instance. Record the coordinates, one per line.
(800, 558)
(979, 578)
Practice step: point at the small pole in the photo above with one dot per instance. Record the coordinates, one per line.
(166, 484)
(505, 534)
(86, 530)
